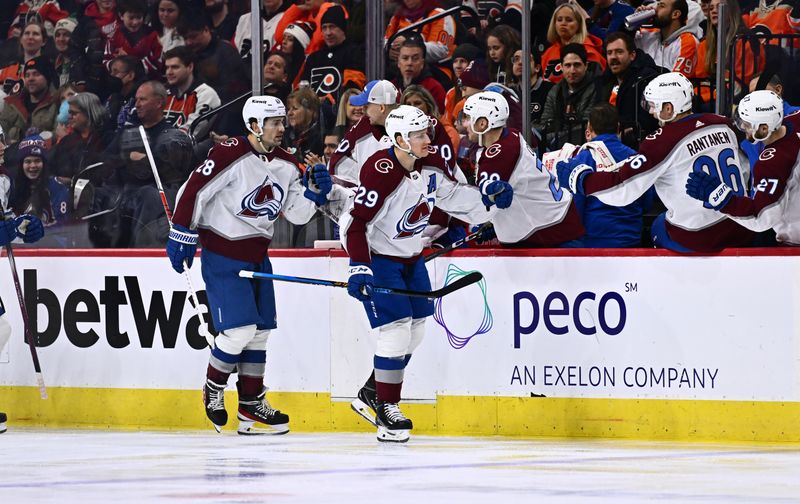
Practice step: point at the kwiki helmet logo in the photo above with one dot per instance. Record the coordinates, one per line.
(459, 342)
(265, 200)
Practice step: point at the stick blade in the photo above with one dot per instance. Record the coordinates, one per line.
(469, 279)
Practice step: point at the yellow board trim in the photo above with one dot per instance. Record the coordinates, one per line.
(650, 419)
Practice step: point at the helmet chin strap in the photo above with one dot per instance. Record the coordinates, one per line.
(408, 151)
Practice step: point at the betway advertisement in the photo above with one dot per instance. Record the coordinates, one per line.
(668, 327)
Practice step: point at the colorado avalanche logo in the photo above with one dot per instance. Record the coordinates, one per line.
(415, 219)
(265, 200)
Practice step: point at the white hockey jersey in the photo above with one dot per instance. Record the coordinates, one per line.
(359, 143)
(392, 206)
(541, 213)
(698, 142)
(234, 197)
(775, 201)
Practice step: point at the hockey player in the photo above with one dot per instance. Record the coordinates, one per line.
(29, 229)
(368, 135)
(771, 203)
(542, 214)
(684, 143)
(383, 237)
(230, 203)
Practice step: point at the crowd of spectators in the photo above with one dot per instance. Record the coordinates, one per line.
(78, 78)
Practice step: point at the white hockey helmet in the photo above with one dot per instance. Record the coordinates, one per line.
(405, 120)
(490, 105)
(259, 109)
(672, 88)
(757, 108)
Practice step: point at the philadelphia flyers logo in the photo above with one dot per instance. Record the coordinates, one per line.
(415, 219)
(263, 201)
(325, 80)
(553, 69)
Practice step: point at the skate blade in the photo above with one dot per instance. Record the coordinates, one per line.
(392, 436)
(217, 428)
(3, 427)
(249, 428)
(364, 411)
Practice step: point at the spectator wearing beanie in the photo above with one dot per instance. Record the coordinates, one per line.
(462, 57)
(70, 64)
(296, 37)
(340, 64)
(36, 106)
(308, 12)
(35, 191)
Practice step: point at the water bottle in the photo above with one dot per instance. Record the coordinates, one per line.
(637, 19)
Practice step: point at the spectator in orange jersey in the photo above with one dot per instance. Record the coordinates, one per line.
(501, 44)
(306, 11)
(439, 36)
(567, 26)
(31, 44)
(707, 54)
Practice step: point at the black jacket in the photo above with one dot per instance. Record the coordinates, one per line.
(635, 122)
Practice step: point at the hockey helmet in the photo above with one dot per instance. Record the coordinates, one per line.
(405, 120)
(759, 108)
(260, 108)
(672, 88)
(490, 105)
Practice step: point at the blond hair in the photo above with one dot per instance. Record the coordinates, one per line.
(580, 35)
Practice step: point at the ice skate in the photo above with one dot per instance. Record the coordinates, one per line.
(257, 409)
(213, 398)
(393, 426)
(3, 420)
(365, 404)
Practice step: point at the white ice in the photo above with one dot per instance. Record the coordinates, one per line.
(44, 466)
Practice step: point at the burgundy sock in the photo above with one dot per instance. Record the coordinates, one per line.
(217, 376)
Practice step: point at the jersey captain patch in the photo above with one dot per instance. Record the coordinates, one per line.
(415, 219)
(265, 200)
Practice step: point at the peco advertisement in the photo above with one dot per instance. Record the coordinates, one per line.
(656, 327)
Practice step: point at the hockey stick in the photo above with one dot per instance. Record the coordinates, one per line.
(37, 367)
(462, 282)
(202, 329)
(470, 237)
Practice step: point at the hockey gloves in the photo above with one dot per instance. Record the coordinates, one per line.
(571, 175)
(488, 234)
(359, 285)
(181, 247)
(497, 192)
(27, 227)
(708, 189)
(318, 184)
